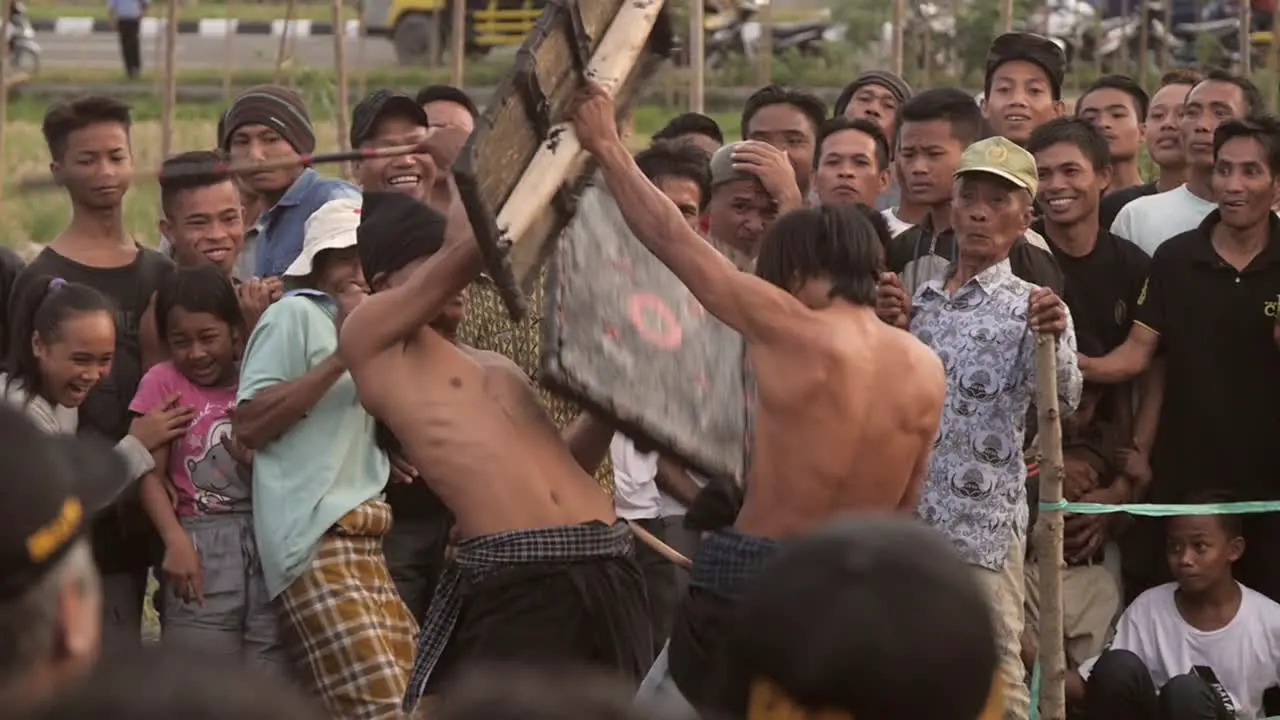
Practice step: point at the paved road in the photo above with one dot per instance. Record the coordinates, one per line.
(250, 51)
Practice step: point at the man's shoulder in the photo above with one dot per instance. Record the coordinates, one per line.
(1179, 247)
(297, 306)
(328, 188)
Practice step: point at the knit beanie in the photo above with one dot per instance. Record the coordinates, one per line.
(889, 81)
(276, 107)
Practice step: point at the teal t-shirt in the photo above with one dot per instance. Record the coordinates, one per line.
(320, 469)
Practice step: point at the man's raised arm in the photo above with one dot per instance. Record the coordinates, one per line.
(755, 308)
(390, 316)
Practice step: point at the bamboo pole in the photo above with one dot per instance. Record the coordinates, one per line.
(282, 53)
(6, 7)
(158, 39)
(1273, 62)
(170, 79)
(1144, 44)
(458, 41)
(1006, 15)
(1246, 42)
(1166, 52)
(1053, 662)
(228, 53)
(697, 56)
(899, 44)
(340, 59)
(764, 71)
(1126, 8)
(362, 55)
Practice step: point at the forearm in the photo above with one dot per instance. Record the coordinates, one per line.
(278, 408)
(1070, 379)
(588, 439)
(1120, 365)
(673, 480)
(1150, 399)
(649, 213)
(137, 458)
(155, 500)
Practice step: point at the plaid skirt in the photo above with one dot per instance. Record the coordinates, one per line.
(346, 617)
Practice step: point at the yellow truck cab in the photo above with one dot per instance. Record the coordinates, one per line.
(415, 26)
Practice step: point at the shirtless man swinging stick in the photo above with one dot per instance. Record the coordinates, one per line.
(847, 407)
(543, 572)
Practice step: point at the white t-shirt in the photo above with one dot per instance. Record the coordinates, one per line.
(1244, 655)
(1149, 221)
(635, 486)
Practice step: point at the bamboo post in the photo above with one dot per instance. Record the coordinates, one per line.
(764, 71)
(340, 59)
(1006, 15)
(228, 53)
(1126, 9)
(5, 7)
(697, 57)
(1144, 44)
(458, 41)
(1273, 62)
(435, 41)
(362, 57)
(170, 79)
(1053, 662)
(899, 44)
(158, 39)
(282, 53)
(1246, 41)
(1166, 52)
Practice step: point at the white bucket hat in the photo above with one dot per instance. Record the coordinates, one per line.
(331, 227)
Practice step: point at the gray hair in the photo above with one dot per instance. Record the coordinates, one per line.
(28, 624)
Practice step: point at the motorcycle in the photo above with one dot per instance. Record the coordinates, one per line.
(1220, 22)
(1069, 23)
(1120, 31)
(24, 51)
(735, 30)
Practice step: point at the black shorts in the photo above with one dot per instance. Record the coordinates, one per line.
(591, 612)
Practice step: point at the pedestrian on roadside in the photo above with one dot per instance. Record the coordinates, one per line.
(126, 16)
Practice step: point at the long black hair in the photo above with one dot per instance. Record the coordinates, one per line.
(829, 241)
(40, 308)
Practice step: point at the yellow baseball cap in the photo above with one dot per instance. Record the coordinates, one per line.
(1003, 158)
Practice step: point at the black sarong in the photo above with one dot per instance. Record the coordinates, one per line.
(725, 566)
(572, 595)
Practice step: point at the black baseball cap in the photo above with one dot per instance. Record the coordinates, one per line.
(52, 487)
(377, 105)
(1033, 48)
(877, 616)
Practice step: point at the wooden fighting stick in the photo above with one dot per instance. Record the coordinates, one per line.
(1048, 537)
(228, 168)
(560, 157)
(663, 549)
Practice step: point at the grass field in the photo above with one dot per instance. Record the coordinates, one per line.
(38, 218)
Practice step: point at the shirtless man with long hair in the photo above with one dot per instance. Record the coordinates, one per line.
(847, 408)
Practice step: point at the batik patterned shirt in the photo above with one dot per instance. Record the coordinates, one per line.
(975, 489)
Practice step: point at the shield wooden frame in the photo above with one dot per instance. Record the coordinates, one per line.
(523, 116)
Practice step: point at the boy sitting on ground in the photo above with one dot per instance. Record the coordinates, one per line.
(1203, 646)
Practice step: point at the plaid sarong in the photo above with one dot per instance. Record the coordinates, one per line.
(353, 627)
(480, 558)
(728, 562)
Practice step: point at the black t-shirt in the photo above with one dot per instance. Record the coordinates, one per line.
(10, 267)
(1111, 203)
(122, 536)
(1102, 287)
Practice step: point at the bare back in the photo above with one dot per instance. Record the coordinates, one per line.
(845, 429)
(477, 432)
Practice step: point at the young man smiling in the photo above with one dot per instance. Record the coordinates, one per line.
(1023, 88)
